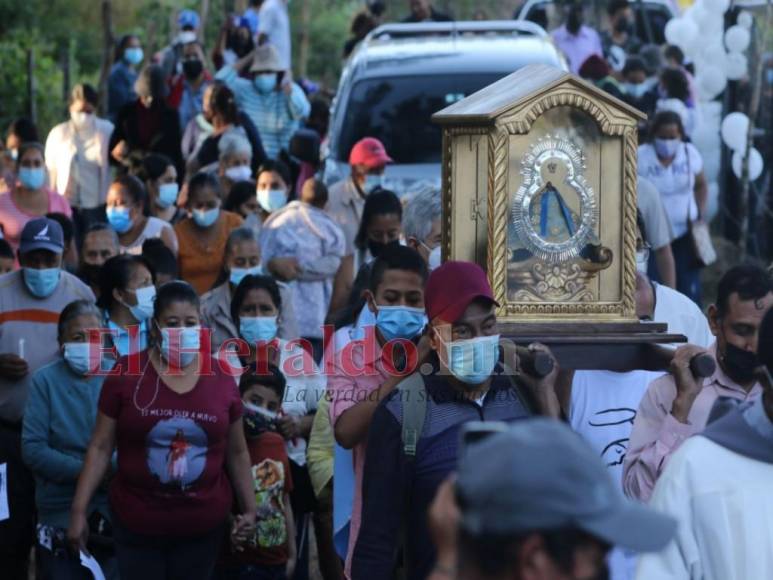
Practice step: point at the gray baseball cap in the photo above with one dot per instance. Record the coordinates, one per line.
(42, 234)
(540, 475)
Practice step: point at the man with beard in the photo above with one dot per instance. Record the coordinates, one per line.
(677, 405)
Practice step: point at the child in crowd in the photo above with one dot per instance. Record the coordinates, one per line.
(270, 554)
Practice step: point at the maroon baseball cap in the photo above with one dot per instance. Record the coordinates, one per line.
(369, 152)
(452, 287)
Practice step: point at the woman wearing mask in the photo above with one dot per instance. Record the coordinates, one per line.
(187, 89)
(126, 206)
(178, 432)
(380, 227)
(126, 297)
(255, 309)
(234, 160)
(222, 117)
(275, 104)
(675, 167)
(58, 421)
(272, 190)
(123, 74)
(160, 177)
(30, 198)
(203, 233)
(147, 124)
(242, 200)
(242, 258)
(78, 158)
(21, 130)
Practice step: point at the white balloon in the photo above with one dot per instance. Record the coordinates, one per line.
(756, 165)
(735, 128)
(745, 19)
(711, 81)
(736, 66)
(681, 32)
(737, 38)
(716, 6)
(712, 55)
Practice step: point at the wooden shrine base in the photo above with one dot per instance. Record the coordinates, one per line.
(599, 346)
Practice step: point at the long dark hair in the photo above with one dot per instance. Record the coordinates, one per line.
(223, 102)
(379, 202)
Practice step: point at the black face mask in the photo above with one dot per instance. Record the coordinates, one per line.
(739, 364)
(624, 26)
(90, 274)
(257, 422)
(376, 248)
(574, 19)
(192, 68)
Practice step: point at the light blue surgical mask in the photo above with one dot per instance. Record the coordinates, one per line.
(78, 357)
(146, 297)
(635, 90)
(41, 283)
(32, 177)
(473, 360)
(400, 321)
(123, 342)
(372, 182)
(666, 148)
(272, 199)
(133, 55)
(238, 274)
(258, 328)
(167, 194)
(239, 173)
(182, 349)
(265, 83)
(204, 218)
(118, 218)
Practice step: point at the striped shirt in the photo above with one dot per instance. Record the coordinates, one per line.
(276, 115)
(28, 328)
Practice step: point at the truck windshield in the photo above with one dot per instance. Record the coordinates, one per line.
(398, 110)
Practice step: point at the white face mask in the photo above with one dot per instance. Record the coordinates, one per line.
(372, 182)
(238, 173)
(80, 118)
(641, 262)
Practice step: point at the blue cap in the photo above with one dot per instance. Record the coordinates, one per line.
(42, 234)
(188, 18)
(249, 20)
(539, 475)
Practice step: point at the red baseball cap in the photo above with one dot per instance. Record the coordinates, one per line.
(369, 152)
(452, 287)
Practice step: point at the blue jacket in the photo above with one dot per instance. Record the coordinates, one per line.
(58, 421)
(388, 476)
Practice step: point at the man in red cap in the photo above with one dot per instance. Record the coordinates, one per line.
(464, 380)
(367, 160)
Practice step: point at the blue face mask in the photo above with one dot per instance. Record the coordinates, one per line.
(204, 218)
(400, 321)
(634, 90)
(372, 182)
(32, 177)
(238, 274)
(272, 199)
(133, 55)
(118, 218)
(472, 361)
(183, 349)
(167, 194)
(257, 328)
(265, 83)
(145, 299)
(41, 283)
(124, 344)
(77, 355)
(666, 148)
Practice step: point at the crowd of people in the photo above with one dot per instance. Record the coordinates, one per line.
(207, 355)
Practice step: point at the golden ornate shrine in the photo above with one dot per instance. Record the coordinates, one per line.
(539, 187)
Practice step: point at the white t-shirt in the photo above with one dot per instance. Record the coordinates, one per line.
(604, 403)
(153, 228)
(274, 22)
(675, 183)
